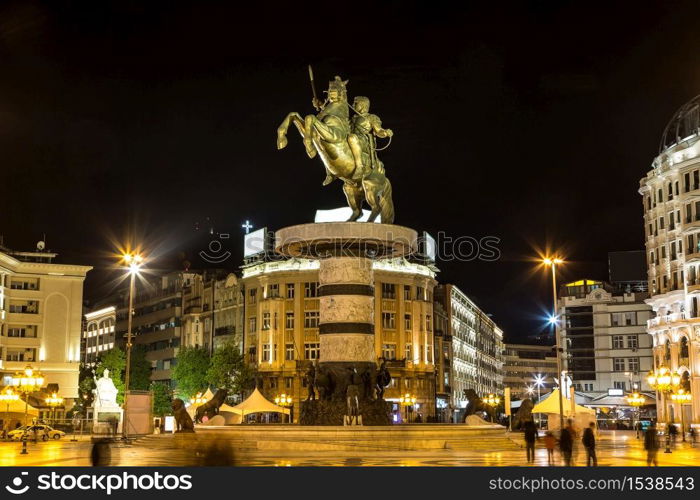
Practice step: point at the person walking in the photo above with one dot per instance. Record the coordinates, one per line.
(692, 434)
(530, 434)
(588, 441)
(549, 442)
(566, 445)
(673, 432)
(651, 444)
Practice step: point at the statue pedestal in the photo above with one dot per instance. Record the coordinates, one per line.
(345, 251)
(103, 419)
(350, 420)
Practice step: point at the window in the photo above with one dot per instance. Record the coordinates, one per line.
(619, 364)
(389, 351)
(420, 294)
(289, 321)
(407, 292)
(617, 342)
(252, 295)
(252, 324)
(290, 290)
(266, 321)
(587, 387)
(633, 364)
(686, 183)
(632, 342)
(619, 385)
(428, 353)
(428, 323)
(407, 322)
(409, 352)
(671, 221)
(289, 352)
(388, 320)
(311, 289)
(388, 291)
(661, 222)
(696, 179)
(312, 350)
(288, 381)
(674, 256)
(311, 319)
(266, 355)
(273, 290)
(688, 212)
(273, 382)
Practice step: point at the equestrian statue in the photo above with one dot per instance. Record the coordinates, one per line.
(347, 147)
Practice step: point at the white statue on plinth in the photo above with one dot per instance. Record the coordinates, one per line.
(105, 392)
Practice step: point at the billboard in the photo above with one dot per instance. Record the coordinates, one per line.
(255, 242)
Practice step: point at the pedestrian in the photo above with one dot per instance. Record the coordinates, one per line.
(549, 442)
(691, 433)
(651, 444)
(101, 454)
(574, 441)
(530, 434)
(673, 432)
(588, 441)
(566, 445)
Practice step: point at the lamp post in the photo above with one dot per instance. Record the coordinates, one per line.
(407, 401)
(681, 397)
(664, 381)
(54, 402)
(285, 401)
(26, 382)
(553, 262)
(134, 261)
(636, 400)
(8, 395)
(492, 400)
(539, 382)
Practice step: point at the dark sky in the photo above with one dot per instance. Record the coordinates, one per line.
(532, 122)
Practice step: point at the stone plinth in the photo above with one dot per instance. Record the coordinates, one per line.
(345, 251)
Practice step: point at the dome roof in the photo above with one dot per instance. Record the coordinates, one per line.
(684, 124)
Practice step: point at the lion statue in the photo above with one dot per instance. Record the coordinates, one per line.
(475, 404)
(182, 419)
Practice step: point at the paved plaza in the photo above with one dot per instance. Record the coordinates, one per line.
(615, 448)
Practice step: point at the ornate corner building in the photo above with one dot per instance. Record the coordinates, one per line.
(671, 202)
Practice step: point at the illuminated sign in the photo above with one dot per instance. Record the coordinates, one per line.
(254, 243)
(341, 215)
(428, 248)
(616, 392)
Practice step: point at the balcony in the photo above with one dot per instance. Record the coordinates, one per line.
(224, 330)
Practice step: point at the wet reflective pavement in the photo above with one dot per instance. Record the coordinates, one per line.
(614, 449)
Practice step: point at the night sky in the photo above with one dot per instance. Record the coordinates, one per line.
(529, 122)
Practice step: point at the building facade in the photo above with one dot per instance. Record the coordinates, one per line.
(40, 319)
(476, 343)
(98, 334)
(671, 208)
(525, 365)
(281, 321)
(603, 333)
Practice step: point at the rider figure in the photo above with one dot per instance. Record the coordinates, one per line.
(365, 126)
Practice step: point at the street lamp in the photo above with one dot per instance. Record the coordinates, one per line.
(199, 399)
(681, 397)
(553, 262)
(8, 395)
(636, 400)
(285, 401)
(407, 401)
(492, 400)
(133, 262)
(26, 382)
(665, 382)
(539, 382)
(54, 402)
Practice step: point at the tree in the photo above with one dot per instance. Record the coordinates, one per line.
(162, 398)
(113, 360)
(140, 374)
(190, 372)
(229, 370)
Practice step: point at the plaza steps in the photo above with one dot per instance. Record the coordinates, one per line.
(489, 438)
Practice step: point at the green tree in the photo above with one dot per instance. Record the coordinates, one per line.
(190, 372)
(229, 370)
(113, 360)
(162, 397)
(140, 369)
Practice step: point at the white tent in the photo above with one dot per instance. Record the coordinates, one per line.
(255, 403)
(550, 405)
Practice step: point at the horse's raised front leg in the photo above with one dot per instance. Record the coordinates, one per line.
(282, 130)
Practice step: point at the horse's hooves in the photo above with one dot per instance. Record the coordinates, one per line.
(281, 143)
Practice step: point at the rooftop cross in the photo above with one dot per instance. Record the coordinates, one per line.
(247, 226)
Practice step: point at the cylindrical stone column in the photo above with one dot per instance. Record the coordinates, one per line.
(346, 323)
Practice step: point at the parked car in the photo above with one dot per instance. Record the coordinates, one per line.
(44, 432)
